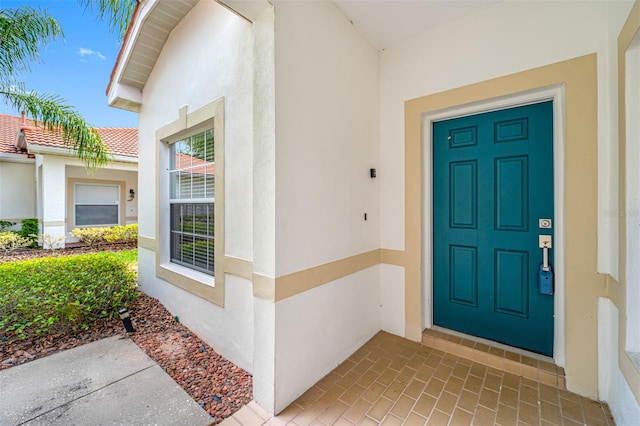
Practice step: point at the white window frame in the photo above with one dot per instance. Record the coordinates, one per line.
(209, 116)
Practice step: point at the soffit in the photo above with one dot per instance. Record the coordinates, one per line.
(154, 30)
(386, 23)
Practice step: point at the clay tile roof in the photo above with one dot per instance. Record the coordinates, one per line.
(121, 141)
(9, 128)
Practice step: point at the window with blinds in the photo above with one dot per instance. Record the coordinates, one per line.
(192, 200)
(96, 205)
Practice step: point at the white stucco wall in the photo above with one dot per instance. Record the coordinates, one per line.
(54, 195)
(326, 137)
(392, 309)
(612, 386)
(318, 329)
(232, 327)
(264, 205)
(326, 141)
(225, 70)
(17, 190)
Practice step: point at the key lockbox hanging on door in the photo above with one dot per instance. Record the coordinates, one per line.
(545, 274)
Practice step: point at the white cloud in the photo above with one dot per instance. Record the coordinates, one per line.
(83, 51)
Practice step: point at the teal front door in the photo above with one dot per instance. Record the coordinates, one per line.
(492, 185)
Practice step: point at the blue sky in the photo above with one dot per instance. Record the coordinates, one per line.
(78, 67)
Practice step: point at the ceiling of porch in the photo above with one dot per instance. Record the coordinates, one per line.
(388, 22)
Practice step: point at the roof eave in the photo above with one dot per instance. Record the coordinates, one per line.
(16, 158)
(67, 152)
(126, 85)
(124, 97)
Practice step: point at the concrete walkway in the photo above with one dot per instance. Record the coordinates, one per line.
(108, 382)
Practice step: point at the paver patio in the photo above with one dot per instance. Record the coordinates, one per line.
(393, 381)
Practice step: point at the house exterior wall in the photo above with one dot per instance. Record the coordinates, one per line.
(210, 52)
(53, 198)
(56, 175)
(310, 107)
(618, 332)
(126, 177)
(326, 141)
(17, 190)
(445, 61)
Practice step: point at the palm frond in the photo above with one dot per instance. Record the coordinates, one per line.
(22, 32)
(56, 116)
(116, 12)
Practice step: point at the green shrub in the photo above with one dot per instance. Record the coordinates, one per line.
(59, 294)
(90, 236)
(10, 241)
(30, 230)
(128, 233)
(4, 224)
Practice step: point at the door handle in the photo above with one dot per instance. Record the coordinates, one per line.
(544, 242)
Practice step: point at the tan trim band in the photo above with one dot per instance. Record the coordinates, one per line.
(54, 223)
(264, 287)
(147, 243)
(297, 282)
(393, 257)
(238, 267)
(276, 289)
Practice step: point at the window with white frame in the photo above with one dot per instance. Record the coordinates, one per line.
(192, 201)
(96, 205)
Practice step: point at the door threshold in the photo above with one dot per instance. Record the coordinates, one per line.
(494, 344)
(496, 355)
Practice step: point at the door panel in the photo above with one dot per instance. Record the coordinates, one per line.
(493, 180)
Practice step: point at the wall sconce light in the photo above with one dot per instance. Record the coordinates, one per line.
(372, 173)
(132, 194)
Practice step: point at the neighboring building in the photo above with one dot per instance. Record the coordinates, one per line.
(314, 255)
(41, 178)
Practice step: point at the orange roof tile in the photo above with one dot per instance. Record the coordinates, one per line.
(9, 128)
(121, 141)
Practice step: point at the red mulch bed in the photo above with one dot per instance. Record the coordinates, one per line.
(219, 386)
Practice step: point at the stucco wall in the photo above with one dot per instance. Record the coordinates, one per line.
(225, 70)
(17, 190)
(612, 385)
(326, 142)
(126, 175)
(327, 137)
(493, 43)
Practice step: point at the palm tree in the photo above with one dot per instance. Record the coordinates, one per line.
(23, 31)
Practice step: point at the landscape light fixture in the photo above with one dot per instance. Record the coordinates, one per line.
(126, 320)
